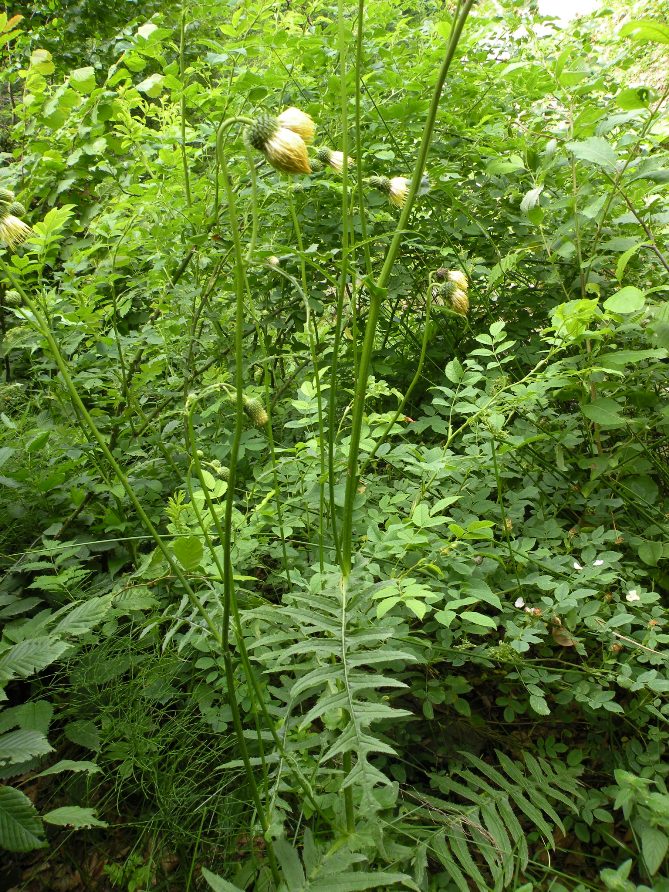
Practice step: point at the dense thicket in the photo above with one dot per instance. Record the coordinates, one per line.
(335, 505)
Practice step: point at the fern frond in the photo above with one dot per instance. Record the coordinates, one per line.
(483, 840)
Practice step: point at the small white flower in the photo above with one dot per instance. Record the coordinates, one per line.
(577, 566)
(632, 595)
(519, 602)
(598, 563)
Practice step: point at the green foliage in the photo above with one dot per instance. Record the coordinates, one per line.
(323, 577)
(489, 823)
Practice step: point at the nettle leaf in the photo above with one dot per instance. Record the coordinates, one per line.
(74, 816)
(596, 150)
(604, 411)
(634, 97)
(83, 733)
(625, 258)
(654, 845)
(70, 765)
(41, 62)
(21, 828)
(32, 716)
(82, 618)
(30, 656)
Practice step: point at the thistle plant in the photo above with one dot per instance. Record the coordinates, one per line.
(255, 410)
(333, 159)
(283, 140)
(396, 188)
(452, 287)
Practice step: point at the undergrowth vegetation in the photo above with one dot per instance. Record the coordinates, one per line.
(333, 447)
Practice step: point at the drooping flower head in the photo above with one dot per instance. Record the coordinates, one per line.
(459, 279)
(450, 290)
(460, 302)
(13, 231)
(283, 147)
(299, 122)
(333, 159)
(380, 183)
(399, 189)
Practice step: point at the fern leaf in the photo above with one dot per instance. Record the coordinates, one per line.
(441, 850)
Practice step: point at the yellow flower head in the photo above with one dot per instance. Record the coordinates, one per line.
(284, 148)
(335, 160)
(13, 231)
(399, 189)
(299, 122)
(459, 279)
(460, 302)
(287, 151)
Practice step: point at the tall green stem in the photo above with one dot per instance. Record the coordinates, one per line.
(378, 290)
(182, 75)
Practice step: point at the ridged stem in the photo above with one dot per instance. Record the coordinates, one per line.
(378, 290)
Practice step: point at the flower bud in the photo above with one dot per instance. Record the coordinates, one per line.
(459, 279)
(380, 183)
(12, 298)
(332, 159)
(17, 208)
(221, 470)
(7, 196)
(443, 292)
(255, 411)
